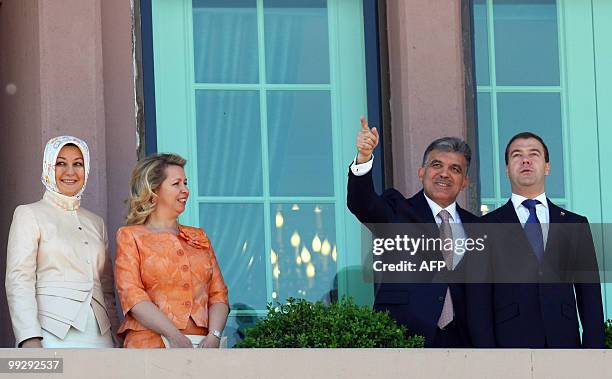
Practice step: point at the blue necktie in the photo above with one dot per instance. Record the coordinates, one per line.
(533, 229)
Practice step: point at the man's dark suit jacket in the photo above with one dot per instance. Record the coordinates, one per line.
(522, 311)
(416, 305)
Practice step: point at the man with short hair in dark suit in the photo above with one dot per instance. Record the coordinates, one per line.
(433, 310)
(534, 294)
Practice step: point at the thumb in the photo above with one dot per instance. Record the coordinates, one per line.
(364, 123)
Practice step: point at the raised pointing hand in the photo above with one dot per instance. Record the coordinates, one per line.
(367, 140)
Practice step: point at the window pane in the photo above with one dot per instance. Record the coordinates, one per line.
(297, 47)
(229, 143)
(485, 146)
(225, 41)
(526, 45)
(304, 251)
(237, 235)
(299, 135)
(539, 113)
(481, 45)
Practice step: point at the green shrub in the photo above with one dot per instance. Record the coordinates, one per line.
(609, 334)
(300, 323)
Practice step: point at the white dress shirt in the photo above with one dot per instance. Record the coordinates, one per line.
(541, 211)
(454, 220)
(360, 169)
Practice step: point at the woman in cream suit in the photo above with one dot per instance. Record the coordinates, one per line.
(59, 278)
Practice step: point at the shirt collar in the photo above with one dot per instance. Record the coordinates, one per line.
(517, 200)
(435, 208)
(69, 203)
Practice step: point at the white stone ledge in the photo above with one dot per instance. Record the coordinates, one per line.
(323, 363)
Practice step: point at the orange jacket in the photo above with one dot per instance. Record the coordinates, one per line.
(177, 273)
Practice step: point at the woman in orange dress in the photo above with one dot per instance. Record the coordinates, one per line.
(167, 276)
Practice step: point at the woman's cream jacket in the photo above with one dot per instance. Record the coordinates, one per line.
(57, 267)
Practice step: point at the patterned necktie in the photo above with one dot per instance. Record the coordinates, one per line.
(446, 232)
(533, 229)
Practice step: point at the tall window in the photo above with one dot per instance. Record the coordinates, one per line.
(263, 97)
(521, 87)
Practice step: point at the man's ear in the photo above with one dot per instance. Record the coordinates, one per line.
(466, 181)
(547, 169)
(421, 173)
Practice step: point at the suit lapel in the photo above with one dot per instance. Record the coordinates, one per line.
(555, 213)
(467, 221)
(516, 235)
(425, 218)
(466, 216)
(424, 214)
(507, 214)
(556, 216)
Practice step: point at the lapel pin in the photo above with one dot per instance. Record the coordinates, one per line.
(562, 213)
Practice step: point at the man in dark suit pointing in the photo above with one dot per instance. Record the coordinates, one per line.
(433, 310)
(536, 292)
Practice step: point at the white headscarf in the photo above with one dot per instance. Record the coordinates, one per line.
(50, 157)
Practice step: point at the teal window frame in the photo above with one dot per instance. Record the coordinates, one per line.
(348, 284)
(374, 15)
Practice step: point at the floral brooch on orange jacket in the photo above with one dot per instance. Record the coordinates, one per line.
(194, 237)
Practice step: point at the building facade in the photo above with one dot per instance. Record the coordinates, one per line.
(263, 98)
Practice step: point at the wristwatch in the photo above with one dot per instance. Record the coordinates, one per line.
(216, 333)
